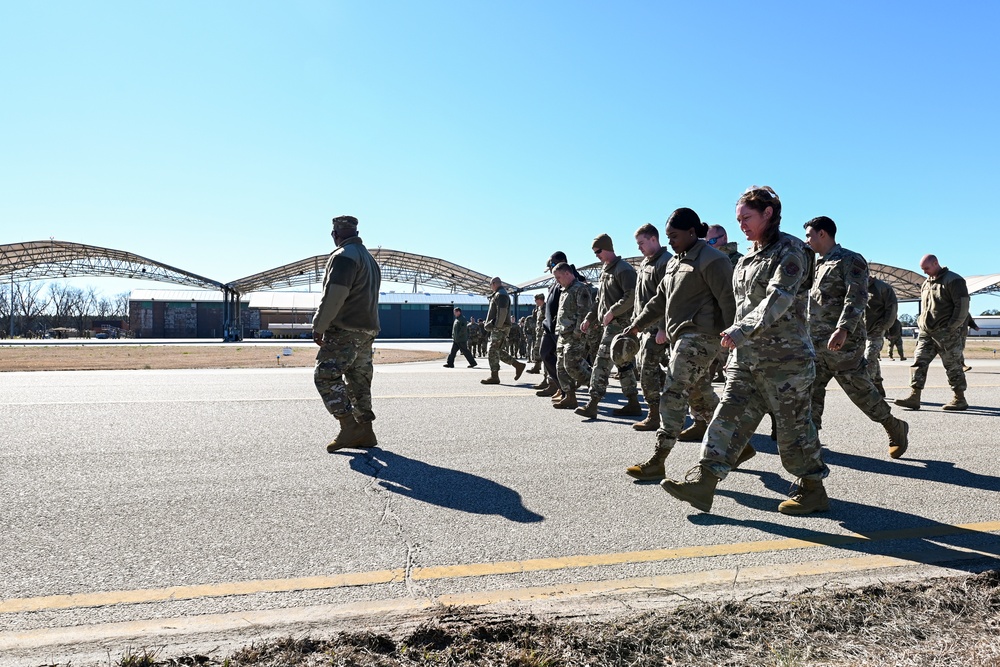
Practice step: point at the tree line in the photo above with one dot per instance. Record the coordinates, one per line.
(31, 308)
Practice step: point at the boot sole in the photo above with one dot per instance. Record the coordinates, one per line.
(791, 512)
(704, 507)
(644, 478)
(955, 409)
(645, 427)
(908, 407)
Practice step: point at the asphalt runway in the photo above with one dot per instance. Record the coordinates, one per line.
(153, 506)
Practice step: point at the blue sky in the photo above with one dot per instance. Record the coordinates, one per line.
(221, 137)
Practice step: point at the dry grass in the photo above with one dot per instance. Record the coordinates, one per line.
(954, 621)
(137, 357)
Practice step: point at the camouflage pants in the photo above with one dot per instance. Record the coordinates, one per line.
(949, 346)
(855, 382)
(896, 343)
(497, 350)
(652, 356)
(530, 351)
(343, 373)
(571, 362)
(602, 366)
(873, 348)
(781, 388)
(691, 356)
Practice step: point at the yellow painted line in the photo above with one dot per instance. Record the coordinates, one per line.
(376, 577)
(388, 612)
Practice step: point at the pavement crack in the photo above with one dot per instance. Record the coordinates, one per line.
(379, 491)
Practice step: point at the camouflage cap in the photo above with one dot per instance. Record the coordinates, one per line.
(623, 349)
(346, 223)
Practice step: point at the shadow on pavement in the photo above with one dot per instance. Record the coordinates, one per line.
(439, 486)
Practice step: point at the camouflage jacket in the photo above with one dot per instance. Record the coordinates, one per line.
(771, 285)
(575, 303)
(839, 296)
(649, 277)
(695, 295)
(616, 293)
(944, 303)
(498, 316)
(729, 249)
(883, 306)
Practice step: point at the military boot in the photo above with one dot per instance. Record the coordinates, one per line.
(589, 410)
(536, 369)
(558, 396)
(494, 378)
(697, 489)
(912, 401)
(630, 409)
(897, 430)
(748, 453)
(518, 369)
(550, 388)
(353, 435)
(881, 389)
(956, 403)
(650, 423)
(809, 497)
(651, 470)
(693, 433)
(567, 402)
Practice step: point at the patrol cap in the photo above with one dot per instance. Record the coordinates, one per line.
(623, 349)
(345, 223)
(555, 258)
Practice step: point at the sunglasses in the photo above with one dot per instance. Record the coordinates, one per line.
(713, 241)
(597, 251)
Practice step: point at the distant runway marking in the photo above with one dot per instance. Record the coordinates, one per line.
(140, 401)
(172, 593)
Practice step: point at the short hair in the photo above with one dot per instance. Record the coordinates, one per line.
(457, 309)
(561, 266)
(822, 224)
(539, 297)
(496, 280)
(717, 228)
(648, 230)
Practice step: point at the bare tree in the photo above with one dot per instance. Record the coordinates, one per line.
(61, 302)
(120, 306)
(5, 310)
(29, 304)
(104, 308)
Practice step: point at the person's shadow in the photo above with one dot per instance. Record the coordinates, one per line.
(880, 528)
(439, 486)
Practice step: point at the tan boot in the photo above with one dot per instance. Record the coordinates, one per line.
(748, 453)
(353, 435)
(551, 387)
(912, 401)
(558, 396)
(536, 369)
(518, 369)
(693, 433)
(956, 403)
(630, 409)
(589, 410)
(494, 378)
(567, 402)
(651, 470)
(650, 423)
(697, 489)
(810, 497)
(897, 430)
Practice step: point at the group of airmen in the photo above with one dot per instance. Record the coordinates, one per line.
(780, 323)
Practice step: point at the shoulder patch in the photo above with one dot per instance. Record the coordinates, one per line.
(791, 269)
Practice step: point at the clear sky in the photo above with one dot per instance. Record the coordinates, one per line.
(221, 137)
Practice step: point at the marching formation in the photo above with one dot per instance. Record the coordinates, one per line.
(776, 325)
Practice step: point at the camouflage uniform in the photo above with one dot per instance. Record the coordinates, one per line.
(772, 368)
(693, 304)
(895, 337)
(879, 316)
(944, 312)
(615, 295)
(473, 336)
(347, 318)
(528, 327)
(572, 367)
(837, 300)
(730, 251)
(498, 325)
(514, 339)
(652, 355)
(539, 315)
